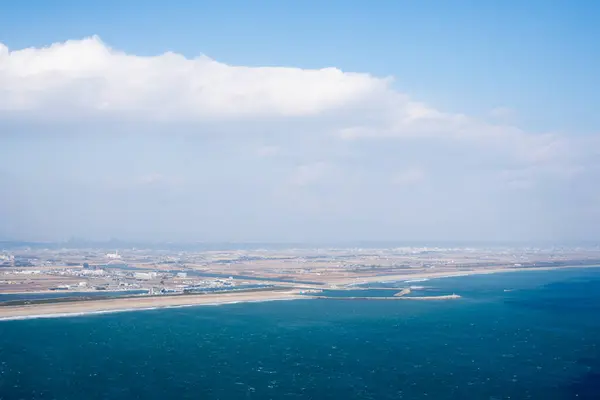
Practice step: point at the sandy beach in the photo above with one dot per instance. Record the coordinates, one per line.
(139, 303)
(446, 274)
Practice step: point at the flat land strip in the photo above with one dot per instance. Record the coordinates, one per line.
(122, 304)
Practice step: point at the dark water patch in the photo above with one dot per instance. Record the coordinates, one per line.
(571, 296)
(586, 387)
(590, 362)
(67, 294)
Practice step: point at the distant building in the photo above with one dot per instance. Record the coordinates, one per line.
(60, 287)
(145, 275)
(114, 256)
(92, 272)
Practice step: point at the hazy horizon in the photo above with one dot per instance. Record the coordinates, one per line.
(116, 244)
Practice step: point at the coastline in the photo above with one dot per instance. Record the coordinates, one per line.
(396, 298)
(138, 304)
(424, 276)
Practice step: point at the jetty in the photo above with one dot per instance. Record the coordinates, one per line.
(444, 297)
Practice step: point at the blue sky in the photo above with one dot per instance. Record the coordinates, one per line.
(464, 56)
(486, 129)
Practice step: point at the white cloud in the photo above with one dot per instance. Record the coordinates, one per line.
(536, 173)
(310, 174)
(268, 151)
(90, 77)
(409, 121)
(336, 141)
(410, 176)
(86, 78)
(503, 113)
(157, 179)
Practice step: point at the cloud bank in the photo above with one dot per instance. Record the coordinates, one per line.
(338, 148)
(88, 76)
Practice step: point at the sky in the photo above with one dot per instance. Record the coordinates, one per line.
(300, 121)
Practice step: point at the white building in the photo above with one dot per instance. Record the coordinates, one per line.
(114, 256)
(145, 275)
(92, 272)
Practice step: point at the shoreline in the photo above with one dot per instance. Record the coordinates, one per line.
(105, 306)
(141, 303)
(396, 298)
(425, 276)
(124, 310)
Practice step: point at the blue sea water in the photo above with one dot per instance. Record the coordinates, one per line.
(523, 335)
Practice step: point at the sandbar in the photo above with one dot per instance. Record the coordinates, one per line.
(442, 297)
(140, 303)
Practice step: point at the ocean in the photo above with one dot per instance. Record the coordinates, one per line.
(521, 335)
